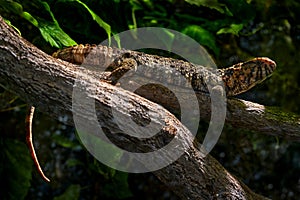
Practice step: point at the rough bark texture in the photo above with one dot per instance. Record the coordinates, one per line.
(47, 83)
(240, 113)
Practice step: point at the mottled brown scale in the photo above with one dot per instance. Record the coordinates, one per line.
(243, 76)
(75, 54)
(237, 79)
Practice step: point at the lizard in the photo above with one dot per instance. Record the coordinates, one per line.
(236, 79)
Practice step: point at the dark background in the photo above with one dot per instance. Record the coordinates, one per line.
(230, 30)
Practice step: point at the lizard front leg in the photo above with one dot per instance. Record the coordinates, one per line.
(120, 67)
(28, 125)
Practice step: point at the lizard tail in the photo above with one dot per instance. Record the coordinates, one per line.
(28, 124)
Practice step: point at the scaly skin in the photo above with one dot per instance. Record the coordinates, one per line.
(236, 79)
(243, 76)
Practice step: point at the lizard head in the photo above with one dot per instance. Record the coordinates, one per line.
(243, 76)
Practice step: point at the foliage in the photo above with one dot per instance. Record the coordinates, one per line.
(15, 169)
(230, 29)
(227, 18)
(71, 193)
(113, 181)
(49, 28)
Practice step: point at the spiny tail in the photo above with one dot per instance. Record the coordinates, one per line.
(28, 125)
(75, 54)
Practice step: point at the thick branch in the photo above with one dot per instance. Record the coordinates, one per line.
(240, 113)
(48, 84)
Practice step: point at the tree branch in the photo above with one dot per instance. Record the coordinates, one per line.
(48, 83)
(240, 113)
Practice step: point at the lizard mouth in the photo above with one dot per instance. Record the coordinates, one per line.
(243, 76)
(261, 67)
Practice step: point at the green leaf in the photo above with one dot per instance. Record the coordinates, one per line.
(118, 186)
(54, 34)
(99, 21)
(166, 37)
(17, 8)
(104, 170)
(29, 18)
(108, 152)
(50, 30)
(95, 17)
(116, 37)
(71, 193)
(12, 6)
(212, 4)
(233, 29)
(15, 169)
(115, 182)
(203, 36)
(64, 141)
(241, 10)
(74, 162)
(135, 5)
(10, 24)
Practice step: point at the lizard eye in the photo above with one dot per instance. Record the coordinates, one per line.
(126, 55)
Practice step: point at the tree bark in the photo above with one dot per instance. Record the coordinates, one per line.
(48, 83)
